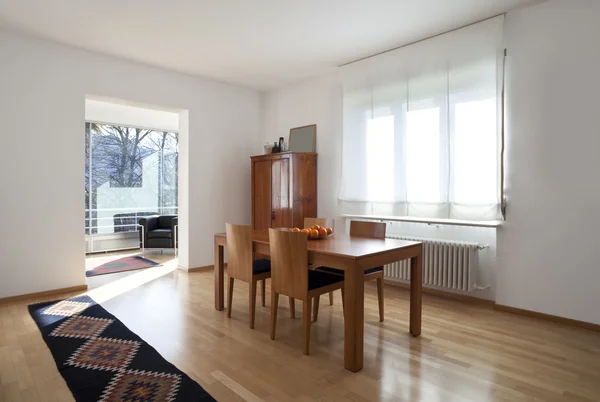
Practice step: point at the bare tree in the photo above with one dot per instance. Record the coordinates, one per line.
(118, 153)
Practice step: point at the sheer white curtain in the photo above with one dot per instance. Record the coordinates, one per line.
(422, 128)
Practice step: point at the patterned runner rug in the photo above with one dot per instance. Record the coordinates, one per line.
(102, 360)
(121, 265)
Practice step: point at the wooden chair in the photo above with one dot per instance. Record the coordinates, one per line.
(242, 266)
(290, 276)
(374, 230)
(326, 223)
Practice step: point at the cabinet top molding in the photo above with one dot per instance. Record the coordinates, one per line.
(281, 155)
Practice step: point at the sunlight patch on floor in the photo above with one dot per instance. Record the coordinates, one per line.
(127, 283)
(235, 387)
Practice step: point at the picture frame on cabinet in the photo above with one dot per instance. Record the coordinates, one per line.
(303, 139)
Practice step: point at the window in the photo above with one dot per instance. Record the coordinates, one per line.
(380, 158)
(129, 173)
(422, 158)
(421, 134)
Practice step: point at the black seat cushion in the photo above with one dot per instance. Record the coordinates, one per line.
(340, 272)
(160, 234)
(373, 270)
(261, 266)
(318, 279)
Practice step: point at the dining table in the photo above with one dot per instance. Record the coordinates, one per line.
(353, 255)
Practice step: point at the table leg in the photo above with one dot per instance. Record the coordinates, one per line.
(219, 278)
(354, 311)
(416, 293)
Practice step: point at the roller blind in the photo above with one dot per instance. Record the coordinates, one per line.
(422, 128)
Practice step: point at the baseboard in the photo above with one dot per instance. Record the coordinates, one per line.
(121, 250)
(197, 269)
(548, 317)
(444, 294)
(42, 294)
(500, 307)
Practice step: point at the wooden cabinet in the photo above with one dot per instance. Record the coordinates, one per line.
(284, 189)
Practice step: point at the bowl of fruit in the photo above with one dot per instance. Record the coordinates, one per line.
(316, 232)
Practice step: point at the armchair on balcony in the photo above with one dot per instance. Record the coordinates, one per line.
(158, 231)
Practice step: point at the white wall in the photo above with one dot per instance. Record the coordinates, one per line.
(42, 96)
(317, 101)
(549, 249)
(115, 112)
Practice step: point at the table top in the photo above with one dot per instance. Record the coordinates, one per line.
(342, 244)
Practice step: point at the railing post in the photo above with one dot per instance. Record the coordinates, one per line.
(176, 231)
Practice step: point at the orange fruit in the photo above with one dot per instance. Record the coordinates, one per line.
(295, 230)
(329, 231)
(314, 233)
(307, 231)
(322, 232)
(316, 227)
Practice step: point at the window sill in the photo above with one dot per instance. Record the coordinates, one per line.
(429, 221)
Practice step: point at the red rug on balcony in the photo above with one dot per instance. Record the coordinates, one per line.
(121, 265)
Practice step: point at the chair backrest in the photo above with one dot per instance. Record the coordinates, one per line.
(239, 252)
(323, 222)
(166, 221)
(149, 223)
(375, 230)
(289, 263)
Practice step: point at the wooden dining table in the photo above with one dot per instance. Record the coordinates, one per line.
(353, 255)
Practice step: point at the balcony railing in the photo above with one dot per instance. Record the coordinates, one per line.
(99, 221)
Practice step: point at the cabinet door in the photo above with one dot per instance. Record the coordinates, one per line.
(303, 183)
(261, 191)
(280, 193)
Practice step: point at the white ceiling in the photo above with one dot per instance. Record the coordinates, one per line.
(261, 44)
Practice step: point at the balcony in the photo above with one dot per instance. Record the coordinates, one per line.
(113, 229)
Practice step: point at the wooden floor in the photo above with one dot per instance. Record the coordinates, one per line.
(466, 352)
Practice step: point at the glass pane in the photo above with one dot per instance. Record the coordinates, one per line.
(133, 174)
(380, 158)
(87, 179)
(475, 152)
(423, 155)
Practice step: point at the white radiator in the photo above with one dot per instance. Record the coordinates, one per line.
(446, 264)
